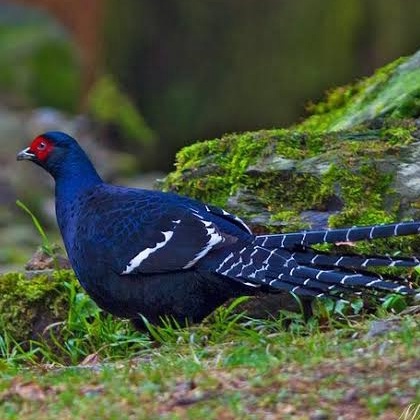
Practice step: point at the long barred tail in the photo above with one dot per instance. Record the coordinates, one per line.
(282, 270)
(320, 259)
(306, 238)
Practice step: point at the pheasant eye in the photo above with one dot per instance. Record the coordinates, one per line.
(42, 145)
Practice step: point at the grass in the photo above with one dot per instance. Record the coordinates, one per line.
(47, 246)
(95, 366)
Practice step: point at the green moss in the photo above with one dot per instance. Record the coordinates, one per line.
(353, 176)
(363, 191)
(368, 198)
(399, 132)
(352, 171)
(324, 113)
(29, 305)
(290, 145)
(212, 170)
(291, 219)
(410, 107)
(391, 91)
(288, 194)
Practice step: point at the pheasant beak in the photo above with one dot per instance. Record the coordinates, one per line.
(25, 154)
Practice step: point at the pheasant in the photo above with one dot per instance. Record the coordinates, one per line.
(157, 254)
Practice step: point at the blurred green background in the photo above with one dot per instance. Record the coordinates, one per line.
(194, 69)
(199, 69)
(137, 80)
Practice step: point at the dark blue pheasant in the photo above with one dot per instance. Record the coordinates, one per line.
(160, 254)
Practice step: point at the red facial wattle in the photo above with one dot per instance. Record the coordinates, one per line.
(41, 148)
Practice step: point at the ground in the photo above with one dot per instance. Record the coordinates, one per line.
(231, 368)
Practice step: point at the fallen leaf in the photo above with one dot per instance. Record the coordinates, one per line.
(282, 408)
(90, 360)
(29, 390)
(195, 397)
(90, 390)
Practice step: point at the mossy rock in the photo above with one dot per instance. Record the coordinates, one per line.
(392, 92)
(353, 161)
(30, 303)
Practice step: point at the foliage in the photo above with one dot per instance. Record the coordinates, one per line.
(39, 66)
(47, 246)
(199, 70)
(108, 104)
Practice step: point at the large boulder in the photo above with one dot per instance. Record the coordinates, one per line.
(353, 161)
